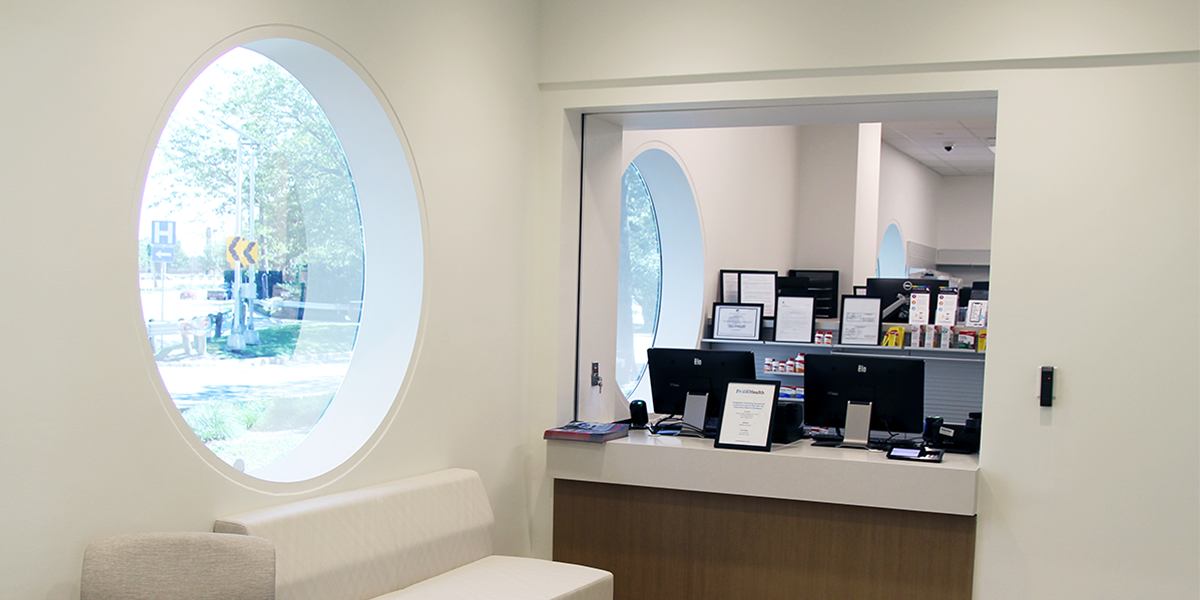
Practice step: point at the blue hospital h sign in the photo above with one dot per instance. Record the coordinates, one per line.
(162, 233)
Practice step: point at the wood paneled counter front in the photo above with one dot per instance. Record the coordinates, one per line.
(678, 518)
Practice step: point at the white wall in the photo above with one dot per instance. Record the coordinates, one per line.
(908, 193)
(1086, 109)
(784, 197)
(964, 212)
(746, 191)
(88, 447)
(827, 193)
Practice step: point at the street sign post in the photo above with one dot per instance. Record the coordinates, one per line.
(162, 254)
(162, 251)
(162, 233)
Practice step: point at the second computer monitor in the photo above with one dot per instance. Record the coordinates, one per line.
(677, 372)
(895, 387)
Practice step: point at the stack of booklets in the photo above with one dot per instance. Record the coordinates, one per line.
(586, 431)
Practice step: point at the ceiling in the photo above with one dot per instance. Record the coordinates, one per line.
(919, 125)
(972, 144)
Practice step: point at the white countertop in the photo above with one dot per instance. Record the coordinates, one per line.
(797, 471)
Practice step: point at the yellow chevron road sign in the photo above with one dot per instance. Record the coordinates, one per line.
(239, 250)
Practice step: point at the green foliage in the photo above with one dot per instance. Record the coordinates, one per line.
(249, 413)
(306, 211)
(214, 421)
(281, 340)
(297, 413)
(218, 421)
(640, 244)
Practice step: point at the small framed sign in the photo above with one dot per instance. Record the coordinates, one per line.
(977, 313)
(946, 312)
(748, 415)
(795, 319)
(860, 321)
(737, 321)
(918, 308)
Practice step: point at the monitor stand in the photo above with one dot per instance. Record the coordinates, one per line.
(694, 409)
(858, 425)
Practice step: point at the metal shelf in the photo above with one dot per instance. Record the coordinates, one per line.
(951, 354)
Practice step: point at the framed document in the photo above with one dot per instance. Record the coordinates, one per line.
(747, 415)
(860, 321)
(795, 319)
(729, 286)
(758, 287)
(737, 321)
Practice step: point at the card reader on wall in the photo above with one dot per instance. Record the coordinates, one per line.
(1047, 386)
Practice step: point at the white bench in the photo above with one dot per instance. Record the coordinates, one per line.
(423, 537)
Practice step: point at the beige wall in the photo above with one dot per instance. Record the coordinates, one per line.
(87, 445)
(1096, 152)
(1097, 173)
(964, 212)
(908, 192)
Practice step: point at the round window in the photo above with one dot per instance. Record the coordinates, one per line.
(638, 280)
(259, 271)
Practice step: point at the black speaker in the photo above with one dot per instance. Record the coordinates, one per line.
(637, 414)
(789, 422)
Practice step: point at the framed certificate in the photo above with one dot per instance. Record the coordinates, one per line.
(860, 321)
(747, 415)
(795, 319)
(750, 287)
(759, 287)
(737, 321)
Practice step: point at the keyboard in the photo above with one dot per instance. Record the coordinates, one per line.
(874, 444)
(826, 440)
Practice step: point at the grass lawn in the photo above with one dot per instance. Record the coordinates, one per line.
(278, 340)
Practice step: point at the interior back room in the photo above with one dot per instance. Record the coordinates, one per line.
(1066, 185)
(768, 200)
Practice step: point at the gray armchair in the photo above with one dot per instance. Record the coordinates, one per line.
(179, 566)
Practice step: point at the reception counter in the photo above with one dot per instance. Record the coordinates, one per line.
(677, 518)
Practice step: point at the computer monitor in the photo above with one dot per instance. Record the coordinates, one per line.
(677, 372)
(894, 386)
(894, 295)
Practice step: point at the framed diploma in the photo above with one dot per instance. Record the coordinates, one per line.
(795, 319)
(737, 321)
(860, 321)
(747, 415)
(759, 287)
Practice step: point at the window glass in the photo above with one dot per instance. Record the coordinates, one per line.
(891, 259)
(639, 280)
(252, 261)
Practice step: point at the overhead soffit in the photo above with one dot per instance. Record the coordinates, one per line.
(920, 126)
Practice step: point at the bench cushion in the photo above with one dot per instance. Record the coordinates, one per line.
(513, 578)
(364, 543)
